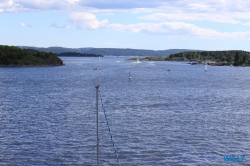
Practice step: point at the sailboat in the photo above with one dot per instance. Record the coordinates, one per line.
(137, 61)
(98, 68)
(168, 68)
(97, 130)
(205, 65)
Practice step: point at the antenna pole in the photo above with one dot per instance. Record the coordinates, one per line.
(97, 127)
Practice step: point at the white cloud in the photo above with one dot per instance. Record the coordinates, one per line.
(85, 20)
(7, 6)
(223, 18)
(122, 4)
(37, 5)
(10, 2)
(176, 5)
(42, 5)
(246, 24)
(170, 14)
(223, 11)
(72, 1)
(22, 24)
(54, 24)
(178, 29)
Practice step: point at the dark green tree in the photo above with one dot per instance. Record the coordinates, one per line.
(237, 57)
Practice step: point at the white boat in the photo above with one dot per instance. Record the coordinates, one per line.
(205, 66)
(137, 61)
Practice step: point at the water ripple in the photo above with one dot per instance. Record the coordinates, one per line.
(182, 117)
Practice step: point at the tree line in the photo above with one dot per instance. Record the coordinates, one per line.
(235, 57)
(14, 56)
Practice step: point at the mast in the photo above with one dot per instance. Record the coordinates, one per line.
(97, 127)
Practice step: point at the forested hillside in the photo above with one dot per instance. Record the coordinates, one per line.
(109, 51)
(235, 57)
(14, 56)
(132, 52)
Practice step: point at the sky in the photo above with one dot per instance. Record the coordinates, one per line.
(136, 24)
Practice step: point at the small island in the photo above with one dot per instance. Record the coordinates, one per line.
(14, 56)
(219, 58)
(151, 58)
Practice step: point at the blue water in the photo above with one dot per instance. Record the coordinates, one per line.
(183, 117)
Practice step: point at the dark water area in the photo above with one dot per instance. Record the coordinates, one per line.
(185, 116)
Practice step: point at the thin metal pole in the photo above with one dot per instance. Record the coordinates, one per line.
(97, 127)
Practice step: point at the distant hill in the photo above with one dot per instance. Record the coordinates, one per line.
(76, 54)
(14, 56)
(57, 50)
(109, 51)
(132, 52)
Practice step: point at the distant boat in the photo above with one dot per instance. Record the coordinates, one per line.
(98, 68)
(137, 61)
(168, 68)
(205, 62)
(205, 66)
(130, 77)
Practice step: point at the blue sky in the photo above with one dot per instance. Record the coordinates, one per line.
(138, 24)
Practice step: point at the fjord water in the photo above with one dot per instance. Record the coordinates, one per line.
(185, 116)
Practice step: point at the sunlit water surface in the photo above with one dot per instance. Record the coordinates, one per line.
(185, 116)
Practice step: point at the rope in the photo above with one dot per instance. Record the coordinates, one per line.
(91, 102)
(110, 131)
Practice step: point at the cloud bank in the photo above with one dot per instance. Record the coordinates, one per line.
(223, 11)
(85, 20)
(167, 6)
(169, 17)
(178, 29)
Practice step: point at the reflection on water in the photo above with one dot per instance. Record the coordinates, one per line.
(183, 117)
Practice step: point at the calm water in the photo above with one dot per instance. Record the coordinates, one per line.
(183, 117)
